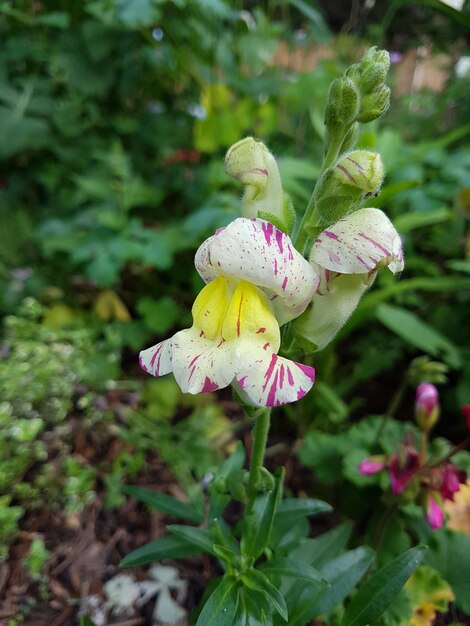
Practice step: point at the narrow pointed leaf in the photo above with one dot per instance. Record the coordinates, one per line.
(221, 606)
(292, 568)
(163, 502)
(291, 509)
(164, 548)
(381, 589)
(258, 581)
(343, 573)
(195, 536)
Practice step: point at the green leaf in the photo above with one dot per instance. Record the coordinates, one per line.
(164, 548)
(196, 536)
(417, 219)
(138, 13)
(449, 554)
(259, 582)
(86, 621)
(159, 315)
(343, 573)
(381, 589)
(221, 606)
(322, 549)
(292, 568)
(291, 509)
(419, 334)
(257, 525)
(163, 502)
(388, 192)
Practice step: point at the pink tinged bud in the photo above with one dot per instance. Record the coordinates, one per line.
(427, 406)
(434, 514)
(368, 467)
(466, 413)
(401, 472)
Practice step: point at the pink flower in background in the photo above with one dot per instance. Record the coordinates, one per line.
(367, 467)
(402, 469)
(426, 406)
(466, 413)
(452, 478)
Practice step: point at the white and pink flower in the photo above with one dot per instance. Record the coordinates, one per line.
(256, 281)
(347, 257)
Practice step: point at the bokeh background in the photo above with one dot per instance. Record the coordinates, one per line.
(114, 119)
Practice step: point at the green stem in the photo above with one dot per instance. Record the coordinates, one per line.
(260, 438)
(391, 409)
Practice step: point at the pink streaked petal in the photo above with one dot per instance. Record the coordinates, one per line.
(157, 359)
(201, 365)
(256, 251)
(358, 243)
(271, 380)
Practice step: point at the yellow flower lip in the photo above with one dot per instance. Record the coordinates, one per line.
(221, 312)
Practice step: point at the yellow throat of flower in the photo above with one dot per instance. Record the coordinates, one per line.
(221, 311)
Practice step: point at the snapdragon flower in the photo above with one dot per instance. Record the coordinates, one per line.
(347, 257)
(256, 281)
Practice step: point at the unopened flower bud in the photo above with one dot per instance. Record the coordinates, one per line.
(251, 163)
(344, 186)
(423, 369)
(434, 512)
(374, 67)
(374, 105)
(362, 169)
(343, 105)
(427, 406)
(372, 465)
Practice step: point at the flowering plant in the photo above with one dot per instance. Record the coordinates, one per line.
(410, 470)
(277, 287)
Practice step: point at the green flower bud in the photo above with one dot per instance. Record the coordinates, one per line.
(422, 369)
(374, 67)
(345, 185)
(362, 169)
(251, 163)
(343, 105)
(374, 104)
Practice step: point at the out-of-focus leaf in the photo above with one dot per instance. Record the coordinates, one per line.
(109, 306)
(419, 334)
(381, 589)
(164, 548)
(409, 221)
(163, 502)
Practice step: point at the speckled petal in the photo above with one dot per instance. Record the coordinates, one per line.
(270, 380)
(200, 364)
(256, 251)
(157, 359)
(359, 243)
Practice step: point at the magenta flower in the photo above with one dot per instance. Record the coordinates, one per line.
(367, 467)
(451, 481)
(402, 469)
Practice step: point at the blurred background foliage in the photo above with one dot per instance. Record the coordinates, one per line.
(114, 119)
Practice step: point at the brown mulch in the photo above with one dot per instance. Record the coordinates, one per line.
(85, 551)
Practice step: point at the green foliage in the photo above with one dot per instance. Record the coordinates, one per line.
(37, 557)
(40, 373)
